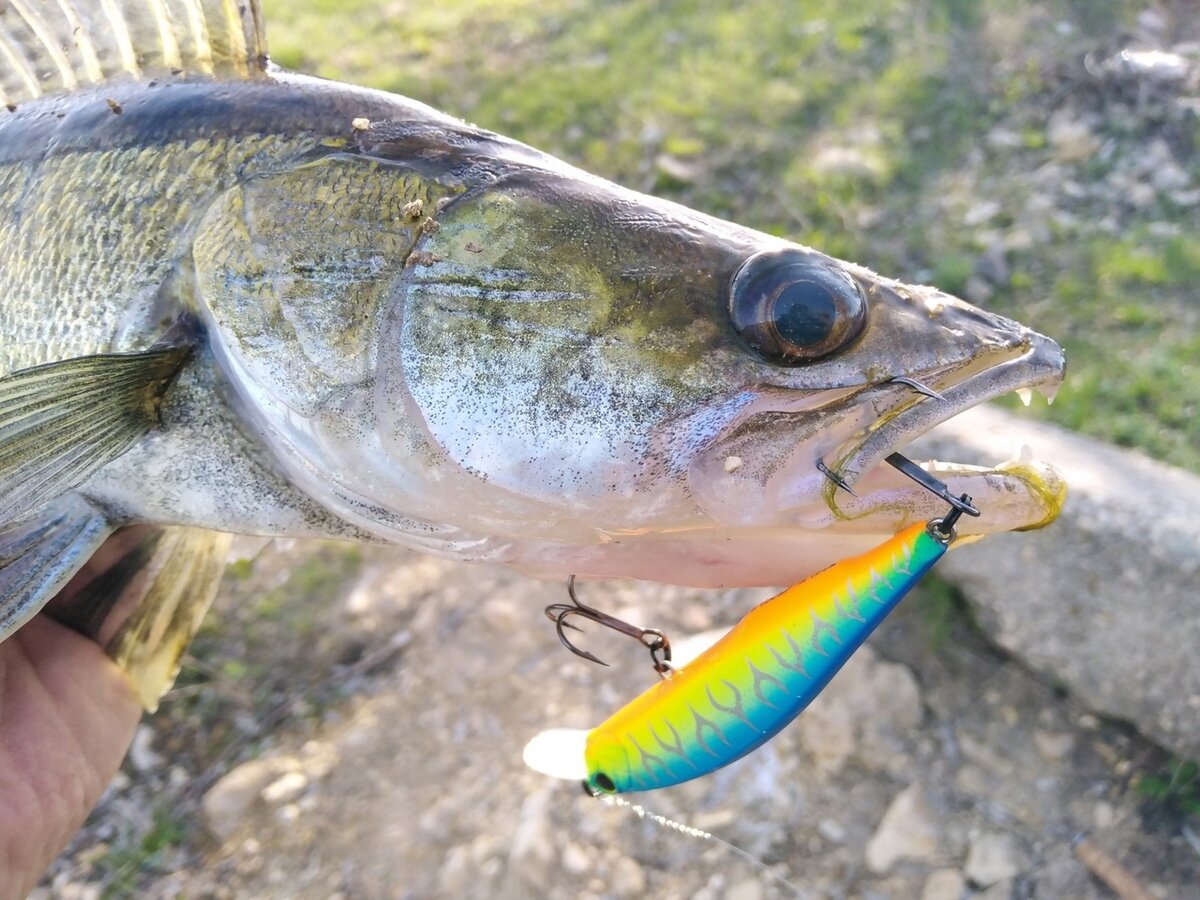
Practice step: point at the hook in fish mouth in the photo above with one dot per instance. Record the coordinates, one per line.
(918, 387)
(835, 477)
(1037, 364)
(905, 465)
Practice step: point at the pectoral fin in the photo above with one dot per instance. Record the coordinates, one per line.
(61, 422)
(144, 598)
(39, 556)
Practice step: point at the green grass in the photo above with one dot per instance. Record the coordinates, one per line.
(944, 611)
(738, 111)
(124, 866)
(1175, 786)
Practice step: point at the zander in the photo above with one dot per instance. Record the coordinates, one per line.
(239, 300)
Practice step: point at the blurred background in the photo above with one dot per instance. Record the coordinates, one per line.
(349, 722)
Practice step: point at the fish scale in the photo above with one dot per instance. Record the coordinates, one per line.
(90, 239)
(765, 671)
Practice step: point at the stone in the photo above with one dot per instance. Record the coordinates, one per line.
(1072, 139)
(1103, 815)
(831, 830)
(866, 711)
(533, 838)
(1058, 599)
(994, 857)
(750, 889)
(627, 878)
(908, 830)
(228, 803)
(1001, 890)
(1062, 875)
(1054, 746)
(141, 753)
(285, 789)
(944, 884)
(575, 859)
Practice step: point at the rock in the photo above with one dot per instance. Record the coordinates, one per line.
(908, 830)
(141, 754)
(284, 789)
(831, 830)
(683, 171)
(317, 759)
(575, 859)
(866, 711)
(1072, 140)
(982, 212)
(228, 802)
(1103, 815)
(1001, 890)
(456, 874)
(944, 884)
(994, 857)
(1059, 599)
(750, 889)
(627, 878)
(1062, 875)
(533, 840)
(1054, 746)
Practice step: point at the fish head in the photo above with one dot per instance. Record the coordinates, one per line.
(556, 372)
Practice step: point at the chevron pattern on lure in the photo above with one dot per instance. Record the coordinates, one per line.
(751, 683)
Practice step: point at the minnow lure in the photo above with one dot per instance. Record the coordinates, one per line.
(747, 686)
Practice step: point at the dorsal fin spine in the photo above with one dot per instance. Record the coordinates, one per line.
(124, 41)
(53, 46)
(91, 61)
(199, 29)
(20, 66)
(166, 34)
(237, 37)
(46, 37)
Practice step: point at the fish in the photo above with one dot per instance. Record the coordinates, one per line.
(749, 685)
(241, 300)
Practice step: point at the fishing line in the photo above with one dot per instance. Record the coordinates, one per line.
(643, 813)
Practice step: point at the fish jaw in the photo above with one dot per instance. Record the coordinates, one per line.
(764, 472)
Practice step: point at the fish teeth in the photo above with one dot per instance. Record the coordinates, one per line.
(1026, 395)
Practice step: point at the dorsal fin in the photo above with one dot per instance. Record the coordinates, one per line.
(50, 46)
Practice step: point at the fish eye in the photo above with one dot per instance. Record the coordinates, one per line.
(795, 307)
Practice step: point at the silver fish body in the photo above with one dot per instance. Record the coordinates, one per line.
(530, 365)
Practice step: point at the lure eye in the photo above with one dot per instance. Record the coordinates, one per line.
(604, 783)
(795, 307)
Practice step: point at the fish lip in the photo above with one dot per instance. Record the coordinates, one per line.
(1037, 362)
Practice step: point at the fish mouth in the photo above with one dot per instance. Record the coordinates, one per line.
(1018, 494)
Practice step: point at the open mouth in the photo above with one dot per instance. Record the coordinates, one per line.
(1021, 493)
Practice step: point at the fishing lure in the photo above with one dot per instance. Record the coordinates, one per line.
(747, 686)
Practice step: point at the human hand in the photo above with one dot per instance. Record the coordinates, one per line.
(67, 716)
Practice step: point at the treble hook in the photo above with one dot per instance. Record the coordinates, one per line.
(651, 638)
